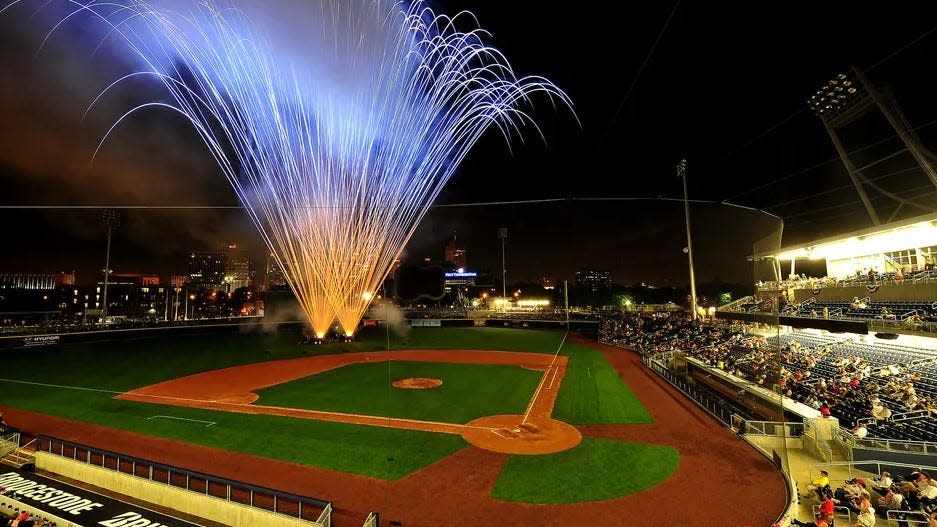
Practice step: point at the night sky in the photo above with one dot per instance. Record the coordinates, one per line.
(725, 87)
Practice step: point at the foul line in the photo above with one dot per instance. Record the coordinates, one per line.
(543, 379)
(32, 383)
(210, 423)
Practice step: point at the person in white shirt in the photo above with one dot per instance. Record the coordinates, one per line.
(861, 432)
(865, 518)
(882, 484)
(927, 495)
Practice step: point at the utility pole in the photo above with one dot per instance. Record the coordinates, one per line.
(681, 173)
(566, 301)
(111, 220)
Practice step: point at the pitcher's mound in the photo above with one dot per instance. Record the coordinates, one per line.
(416, 383)
(510, 434)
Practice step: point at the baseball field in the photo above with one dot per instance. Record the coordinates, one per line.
(524, 417)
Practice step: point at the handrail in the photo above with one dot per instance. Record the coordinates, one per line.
(228, 483)
(838, 510)
(903, 519)
(886, 444)
(852, 465)
(909, 416)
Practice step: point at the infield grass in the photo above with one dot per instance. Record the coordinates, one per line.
(469, 391)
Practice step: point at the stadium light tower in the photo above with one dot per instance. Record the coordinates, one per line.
(681, 173)
(846, 98)
(111, 221)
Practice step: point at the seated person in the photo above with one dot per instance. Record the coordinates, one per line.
(848, 493)
(892, 500)
(865, 518)
(882, 484)
(927, 494)
(820, 485)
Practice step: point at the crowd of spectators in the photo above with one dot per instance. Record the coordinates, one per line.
(861, 276)
(862, 394)
(914, 492)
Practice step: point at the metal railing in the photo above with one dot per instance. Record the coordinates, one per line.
(875, 466)
(908, 518)
(717, 407)
(301, 507)
(816, 444)
(839, 511)
(850, 441)
(773, 428)
(373, 520)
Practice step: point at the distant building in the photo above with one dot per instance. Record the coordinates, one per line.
(206, 269)
(178, 280)
(593, 280)
(238, 269)
(546, 282)
(64, 278)
(274, 278)
(455, 255)
(131, 295)
(28, 281)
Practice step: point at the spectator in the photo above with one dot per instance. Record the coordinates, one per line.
(820, 485)
(882, 484)
(821, 521)
(865, 518)
(861, 432)
(892, 500)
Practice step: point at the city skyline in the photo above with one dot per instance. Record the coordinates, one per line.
(759, 147)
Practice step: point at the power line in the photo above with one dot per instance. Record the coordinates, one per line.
(842, 187)
(828, 161)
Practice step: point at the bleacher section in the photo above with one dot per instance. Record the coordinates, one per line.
(817, 370)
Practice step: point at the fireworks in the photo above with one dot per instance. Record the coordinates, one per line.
(336, 154)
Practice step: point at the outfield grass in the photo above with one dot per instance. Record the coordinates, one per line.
(469, 391)
(593, 393)
(385, 453)
(596, 469)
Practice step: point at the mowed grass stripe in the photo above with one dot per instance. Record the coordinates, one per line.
(594, 470)
(469, 391)
(593, 393)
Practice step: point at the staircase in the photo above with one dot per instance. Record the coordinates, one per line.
(20, 458)
(15, 456)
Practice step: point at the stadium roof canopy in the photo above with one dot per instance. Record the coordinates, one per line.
(920, 231)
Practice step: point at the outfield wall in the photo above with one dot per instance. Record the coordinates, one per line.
(186, 501)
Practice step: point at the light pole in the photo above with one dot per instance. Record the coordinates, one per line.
(111, 220)
(175, 305)
(503, 234)
(681, 173)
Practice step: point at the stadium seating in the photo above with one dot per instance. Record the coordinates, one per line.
(817, 370)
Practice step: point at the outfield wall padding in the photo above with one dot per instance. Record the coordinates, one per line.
(186, 501)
